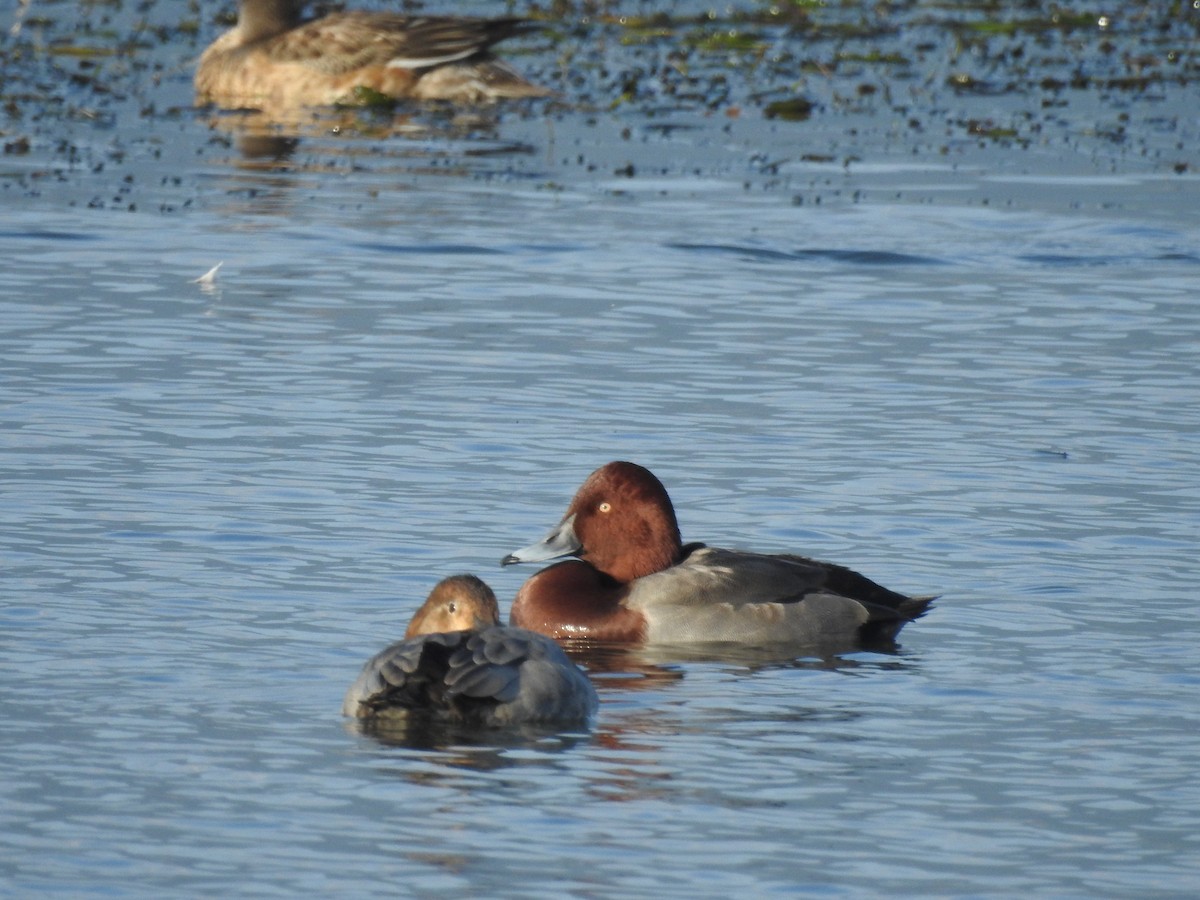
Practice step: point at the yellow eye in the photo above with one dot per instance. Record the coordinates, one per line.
(605, 506)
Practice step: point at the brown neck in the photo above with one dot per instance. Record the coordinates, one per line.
(641, 559)
(261, 19)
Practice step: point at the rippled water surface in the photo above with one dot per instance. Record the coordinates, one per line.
(969, 369)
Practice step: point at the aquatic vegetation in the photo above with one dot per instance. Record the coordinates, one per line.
(793, 109)
(922, 78)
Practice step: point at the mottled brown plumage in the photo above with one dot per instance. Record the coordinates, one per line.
(274, 61)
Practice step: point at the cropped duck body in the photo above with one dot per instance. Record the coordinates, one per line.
(635, 581)
(457, 664)
(274, 60)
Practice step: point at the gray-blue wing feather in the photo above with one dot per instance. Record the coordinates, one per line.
(494, 676)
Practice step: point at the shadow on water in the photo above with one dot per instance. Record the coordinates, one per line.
(848, 257)
(463, 746)
(640, 668)
(618, 670)
(423, 132)
(259, 162)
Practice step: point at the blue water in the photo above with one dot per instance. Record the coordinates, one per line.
(975, 377)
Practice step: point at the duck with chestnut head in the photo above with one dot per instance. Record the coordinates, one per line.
(632, 579)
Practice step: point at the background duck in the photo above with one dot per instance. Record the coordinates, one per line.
(636, 581)
(458, 664)
(272, 59)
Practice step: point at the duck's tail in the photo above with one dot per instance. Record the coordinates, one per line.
(915, 607)
(885, 622)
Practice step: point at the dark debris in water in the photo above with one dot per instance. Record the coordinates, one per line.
(793, 109)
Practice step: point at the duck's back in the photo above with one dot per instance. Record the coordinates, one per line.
(720, 595)
(495, 676)
(341, 42)
(322, 61)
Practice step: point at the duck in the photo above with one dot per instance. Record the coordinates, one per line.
(273, 59)
(457, 664)
(631, 579)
